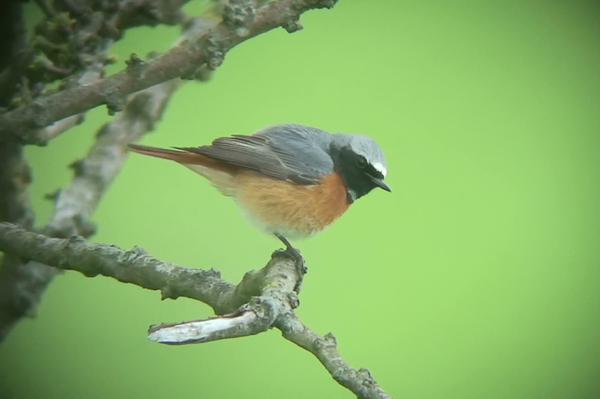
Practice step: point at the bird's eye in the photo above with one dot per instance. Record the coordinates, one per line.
(361, 162)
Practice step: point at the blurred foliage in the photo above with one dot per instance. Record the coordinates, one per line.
(477, 278)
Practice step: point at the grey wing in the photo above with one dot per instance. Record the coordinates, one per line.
(287, 152)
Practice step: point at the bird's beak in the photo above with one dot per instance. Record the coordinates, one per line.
(379, 182)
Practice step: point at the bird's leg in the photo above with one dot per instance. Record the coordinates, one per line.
(295, 255)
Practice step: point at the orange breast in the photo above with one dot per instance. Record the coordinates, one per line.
(290, 209)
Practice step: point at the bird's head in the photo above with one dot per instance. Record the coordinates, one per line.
(361, 162)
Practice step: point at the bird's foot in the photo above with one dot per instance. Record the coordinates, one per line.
(294, 254)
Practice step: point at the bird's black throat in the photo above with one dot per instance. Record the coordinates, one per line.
(356, 172)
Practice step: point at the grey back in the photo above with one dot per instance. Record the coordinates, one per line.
(286, 151)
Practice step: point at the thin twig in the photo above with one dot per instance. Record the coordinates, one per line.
(360, 381)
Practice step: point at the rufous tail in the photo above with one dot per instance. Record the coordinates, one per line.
(181, 156)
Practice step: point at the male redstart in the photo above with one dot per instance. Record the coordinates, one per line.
(289, 180)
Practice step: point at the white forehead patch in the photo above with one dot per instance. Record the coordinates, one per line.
(380, 168)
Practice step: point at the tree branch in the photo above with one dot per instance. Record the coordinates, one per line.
(22, 285)
(134, 266)
(240, 23)
(264, 298)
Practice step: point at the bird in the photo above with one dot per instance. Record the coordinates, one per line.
(287, 179)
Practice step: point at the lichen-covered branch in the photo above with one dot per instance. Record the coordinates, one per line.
(264, 298)
(133, 266)
(240, 22)
(252, 307)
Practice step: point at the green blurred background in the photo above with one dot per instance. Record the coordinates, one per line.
(477, 278)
